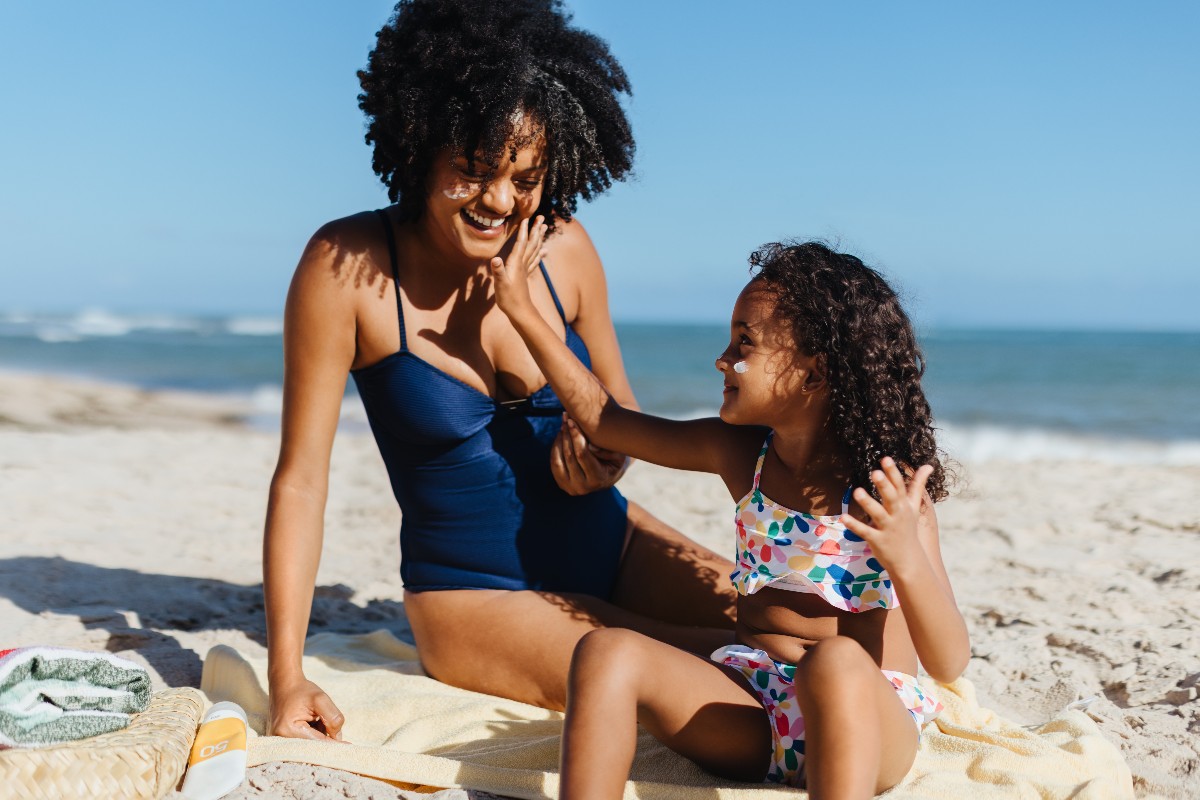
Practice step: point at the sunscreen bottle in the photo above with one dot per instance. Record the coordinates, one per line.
(217, 764)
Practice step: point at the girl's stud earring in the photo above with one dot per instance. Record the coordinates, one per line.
(741, 368)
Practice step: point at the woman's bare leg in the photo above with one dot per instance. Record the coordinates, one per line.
(667, 577)
(859, 737)
(620, 678)
(518, 644)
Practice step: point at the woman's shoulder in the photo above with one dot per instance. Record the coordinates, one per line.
(347, 235)
(348, 251)
(571, 244)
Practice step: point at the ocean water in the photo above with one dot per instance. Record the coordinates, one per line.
(1020, 395)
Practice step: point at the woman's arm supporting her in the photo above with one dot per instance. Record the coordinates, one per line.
(319, 348)
(699, 445)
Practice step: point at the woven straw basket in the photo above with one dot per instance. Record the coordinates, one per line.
(145, 760)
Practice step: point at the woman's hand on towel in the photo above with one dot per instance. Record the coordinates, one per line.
(304, 711)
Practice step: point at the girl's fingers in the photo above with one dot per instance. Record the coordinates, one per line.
(859, 527)
(869, 504)
(893, 473)
(522, 237)
(916, 491)
(887, 490)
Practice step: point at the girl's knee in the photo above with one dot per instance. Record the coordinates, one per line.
(607, 667)
(608, 652)
(836, 661)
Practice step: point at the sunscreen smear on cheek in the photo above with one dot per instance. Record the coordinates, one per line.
(741, 368)
(217, 763)
(458, 190)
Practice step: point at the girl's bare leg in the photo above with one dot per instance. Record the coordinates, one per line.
(620, 678)
(518, 644)
(859, 737)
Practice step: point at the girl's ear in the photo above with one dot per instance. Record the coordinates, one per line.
(815, 380)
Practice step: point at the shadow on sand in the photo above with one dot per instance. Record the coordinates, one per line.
(141, 611)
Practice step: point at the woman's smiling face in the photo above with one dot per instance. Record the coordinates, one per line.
(477, 218)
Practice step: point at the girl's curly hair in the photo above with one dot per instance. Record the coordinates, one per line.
(461, 73)
(844, 310)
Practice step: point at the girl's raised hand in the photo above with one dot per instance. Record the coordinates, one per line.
(510, 276)
(892, 533)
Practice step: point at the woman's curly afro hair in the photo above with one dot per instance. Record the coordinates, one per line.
(840, 308)
(461, 74)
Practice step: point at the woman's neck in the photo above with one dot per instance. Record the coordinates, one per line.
(436, 263)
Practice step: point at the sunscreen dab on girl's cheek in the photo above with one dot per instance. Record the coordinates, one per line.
(741, 368)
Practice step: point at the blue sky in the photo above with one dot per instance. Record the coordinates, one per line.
(1016, 165)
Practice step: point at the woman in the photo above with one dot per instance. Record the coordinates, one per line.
(484, 118)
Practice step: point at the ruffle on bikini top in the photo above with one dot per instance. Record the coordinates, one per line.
(801, 552)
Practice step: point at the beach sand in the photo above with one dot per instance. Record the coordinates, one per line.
(132, 523)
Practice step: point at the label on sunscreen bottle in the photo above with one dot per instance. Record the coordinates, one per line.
(217, 764)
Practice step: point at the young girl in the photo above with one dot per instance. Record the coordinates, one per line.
(838, 601)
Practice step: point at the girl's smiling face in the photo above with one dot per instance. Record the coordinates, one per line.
(766, 374)
(477, 218)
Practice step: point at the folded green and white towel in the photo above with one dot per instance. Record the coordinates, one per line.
(51, 695)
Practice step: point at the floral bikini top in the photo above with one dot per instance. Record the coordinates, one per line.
(800, 552)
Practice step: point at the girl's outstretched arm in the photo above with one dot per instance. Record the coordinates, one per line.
(701, 445)
(903, 535)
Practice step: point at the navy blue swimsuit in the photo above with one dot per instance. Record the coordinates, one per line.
(480, 507)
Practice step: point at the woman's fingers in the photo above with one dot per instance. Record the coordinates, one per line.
(330, 716)
(589, 466)
(558, 467)
(570, 464)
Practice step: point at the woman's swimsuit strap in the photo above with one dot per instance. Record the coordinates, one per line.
(553, 294)
(391, 243)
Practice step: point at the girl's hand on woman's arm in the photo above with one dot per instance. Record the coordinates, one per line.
(903, 537)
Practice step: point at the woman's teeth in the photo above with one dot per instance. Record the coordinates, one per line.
(484, 221)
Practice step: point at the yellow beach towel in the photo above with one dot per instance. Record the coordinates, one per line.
(408, 728)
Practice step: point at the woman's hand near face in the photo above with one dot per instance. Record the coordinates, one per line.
(510, 276)
(580, 467)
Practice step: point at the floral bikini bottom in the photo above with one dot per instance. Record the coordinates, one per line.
(774, 681)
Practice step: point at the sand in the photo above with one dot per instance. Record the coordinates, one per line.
(132, 523)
